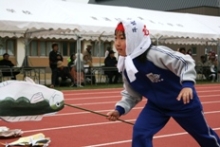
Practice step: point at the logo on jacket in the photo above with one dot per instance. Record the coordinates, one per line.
(154, 78)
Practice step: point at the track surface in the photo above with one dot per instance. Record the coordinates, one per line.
(75, 128)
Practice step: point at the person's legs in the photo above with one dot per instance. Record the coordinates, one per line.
(110, 78)
(14, 75)
(195, 124)
(149, 122)
(73, 75)
(116, 75)
(82, 78)
(54, 77)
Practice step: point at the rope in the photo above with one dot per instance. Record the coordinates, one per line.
(70, 105)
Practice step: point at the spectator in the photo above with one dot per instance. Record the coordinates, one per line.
(111, 61)
(107, 51)
(189, 52)
(72, 69)
(63, 72)
(182, 50)
(7, 63)
(54, 57)
(79, 66)
(87, 55)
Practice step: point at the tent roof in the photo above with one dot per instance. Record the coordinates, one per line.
(165, 5)
(60, 19)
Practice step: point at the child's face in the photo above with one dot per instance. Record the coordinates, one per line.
(120, 43)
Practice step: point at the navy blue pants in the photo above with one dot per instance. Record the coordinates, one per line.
(152, 119)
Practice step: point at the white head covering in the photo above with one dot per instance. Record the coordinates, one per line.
(137, 42)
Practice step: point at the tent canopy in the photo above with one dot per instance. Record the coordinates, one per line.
(61, 19)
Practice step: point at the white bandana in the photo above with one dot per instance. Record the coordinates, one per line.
(137, 42)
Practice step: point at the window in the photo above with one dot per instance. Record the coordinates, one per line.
(194, 50)
(43, 48)
(64, 48)
(73, 48)
(33, 50)
(49, 48)
(98, 49)
(10, 47)
(7, 46)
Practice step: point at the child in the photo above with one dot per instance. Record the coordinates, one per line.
(166, 78)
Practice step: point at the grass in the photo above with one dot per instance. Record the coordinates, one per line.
(97, 86)
(120, 85)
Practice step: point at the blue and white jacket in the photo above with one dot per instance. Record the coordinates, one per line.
(160, 80)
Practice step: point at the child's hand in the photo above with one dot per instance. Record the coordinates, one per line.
(186, 95)
(113, 115)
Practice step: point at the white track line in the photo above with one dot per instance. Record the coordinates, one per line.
(92, 93)
(75, 126)
(118, 92)
(116, 96)
(95, 103)
(112, 102)
(128, 141)
(210, 102)
(85, 112)
(93, 97)
(107, 89)
(211, 86)
(92, 124)
(102, 111)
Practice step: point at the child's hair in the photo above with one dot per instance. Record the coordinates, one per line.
(120, 28)
(123, 33)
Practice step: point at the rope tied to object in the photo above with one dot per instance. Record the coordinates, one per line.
(77, 107)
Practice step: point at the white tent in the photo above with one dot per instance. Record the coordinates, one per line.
(60, 19)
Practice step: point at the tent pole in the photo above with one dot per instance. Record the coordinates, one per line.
(158, 39)
(78, 44)
(99, 42)
(26, 47)
(218, 60)
(99, 46)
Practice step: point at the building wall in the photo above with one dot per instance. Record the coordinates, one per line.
(199, 49)
(38, 50)
(19, 53)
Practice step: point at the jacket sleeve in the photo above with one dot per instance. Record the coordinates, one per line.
(130, 99)
(53, 58)
(181, 65)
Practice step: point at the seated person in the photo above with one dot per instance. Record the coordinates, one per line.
(71, 61)
(71, 67)
(213, 71)
(63, 72)
(212, 66)
(79, 68)
(5, 62)
(90, 77)
(111, 61)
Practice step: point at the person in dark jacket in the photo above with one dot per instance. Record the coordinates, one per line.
(5, 62)
(111, 63)
(54, 57)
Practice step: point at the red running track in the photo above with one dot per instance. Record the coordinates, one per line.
(75, 128)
